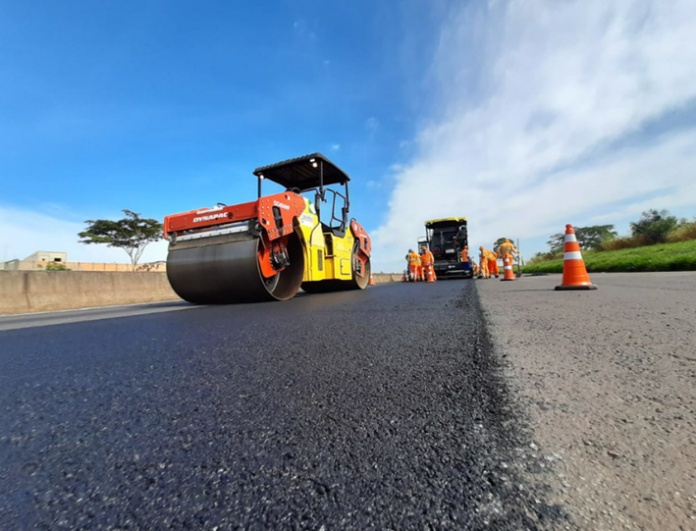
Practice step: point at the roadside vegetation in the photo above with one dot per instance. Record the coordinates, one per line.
(658, 242)
(53, 266)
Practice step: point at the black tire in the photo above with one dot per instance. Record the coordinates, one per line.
(364, 281)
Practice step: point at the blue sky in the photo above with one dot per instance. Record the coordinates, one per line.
(522, 116)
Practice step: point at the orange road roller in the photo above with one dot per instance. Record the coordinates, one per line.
(268, 249)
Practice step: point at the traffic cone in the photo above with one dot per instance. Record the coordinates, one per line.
(429, 273)
(508, 273)
(372, 280)
(574, 272)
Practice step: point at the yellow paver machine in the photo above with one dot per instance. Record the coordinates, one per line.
(267, 249)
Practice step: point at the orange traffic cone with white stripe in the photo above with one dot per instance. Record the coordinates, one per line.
(508, 273)
(574, 272)
(372, 280)
(429, 273)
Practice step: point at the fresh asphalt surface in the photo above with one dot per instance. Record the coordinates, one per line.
(30, 320)
(382, 409)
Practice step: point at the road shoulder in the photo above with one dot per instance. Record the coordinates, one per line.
(607, 379)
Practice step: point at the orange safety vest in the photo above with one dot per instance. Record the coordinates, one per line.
(427, 257)
(507, 248)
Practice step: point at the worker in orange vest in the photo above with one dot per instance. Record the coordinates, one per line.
(465, 259)
(413, 261)
(483, 263)
(421, 273)
(508, 248)
(428, 261)
(493, 264)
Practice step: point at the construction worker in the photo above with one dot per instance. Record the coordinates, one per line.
(483, 263)
(419, 269)
(508, 248)
(465, 260)
(460, 238)
(413, 260)
(428, 261)
(493, 264)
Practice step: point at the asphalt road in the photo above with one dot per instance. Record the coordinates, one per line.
(383, 409)
(31, 320)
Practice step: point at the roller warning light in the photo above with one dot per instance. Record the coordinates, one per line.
(267, 249)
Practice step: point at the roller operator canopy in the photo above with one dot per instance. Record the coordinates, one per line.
(303, 172)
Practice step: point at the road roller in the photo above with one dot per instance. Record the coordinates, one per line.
(264, 250)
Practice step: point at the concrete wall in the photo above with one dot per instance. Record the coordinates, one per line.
(37, 291)
(381, 278)
(27, 265)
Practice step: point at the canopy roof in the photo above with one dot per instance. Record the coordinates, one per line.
(303, 172)
(445, 221)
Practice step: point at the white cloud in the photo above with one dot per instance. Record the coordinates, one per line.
(25, 232)
(371, 124)
(301, 28)
(335, 147)
(532, 92)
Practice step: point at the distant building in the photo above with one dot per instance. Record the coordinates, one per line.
(47, 256)
(40, 260)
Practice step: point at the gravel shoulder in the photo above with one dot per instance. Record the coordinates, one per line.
(607, 379)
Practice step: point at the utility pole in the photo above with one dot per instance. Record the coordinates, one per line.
(519, 254)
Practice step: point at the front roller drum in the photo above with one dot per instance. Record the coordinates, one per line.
(227, 272)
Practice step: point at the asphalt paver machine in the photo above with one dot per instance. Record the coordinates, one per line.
(447, 238)
(267, 249)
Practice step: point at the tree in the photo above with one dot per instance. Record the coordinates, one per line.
(556, 243)
(132, 233)
(654, 225)
(589, 238)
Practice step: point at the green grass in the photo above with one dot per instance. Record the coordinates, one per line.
(680, 256)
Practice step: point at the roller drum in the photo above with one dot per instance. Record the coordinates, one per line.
(227, 271)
